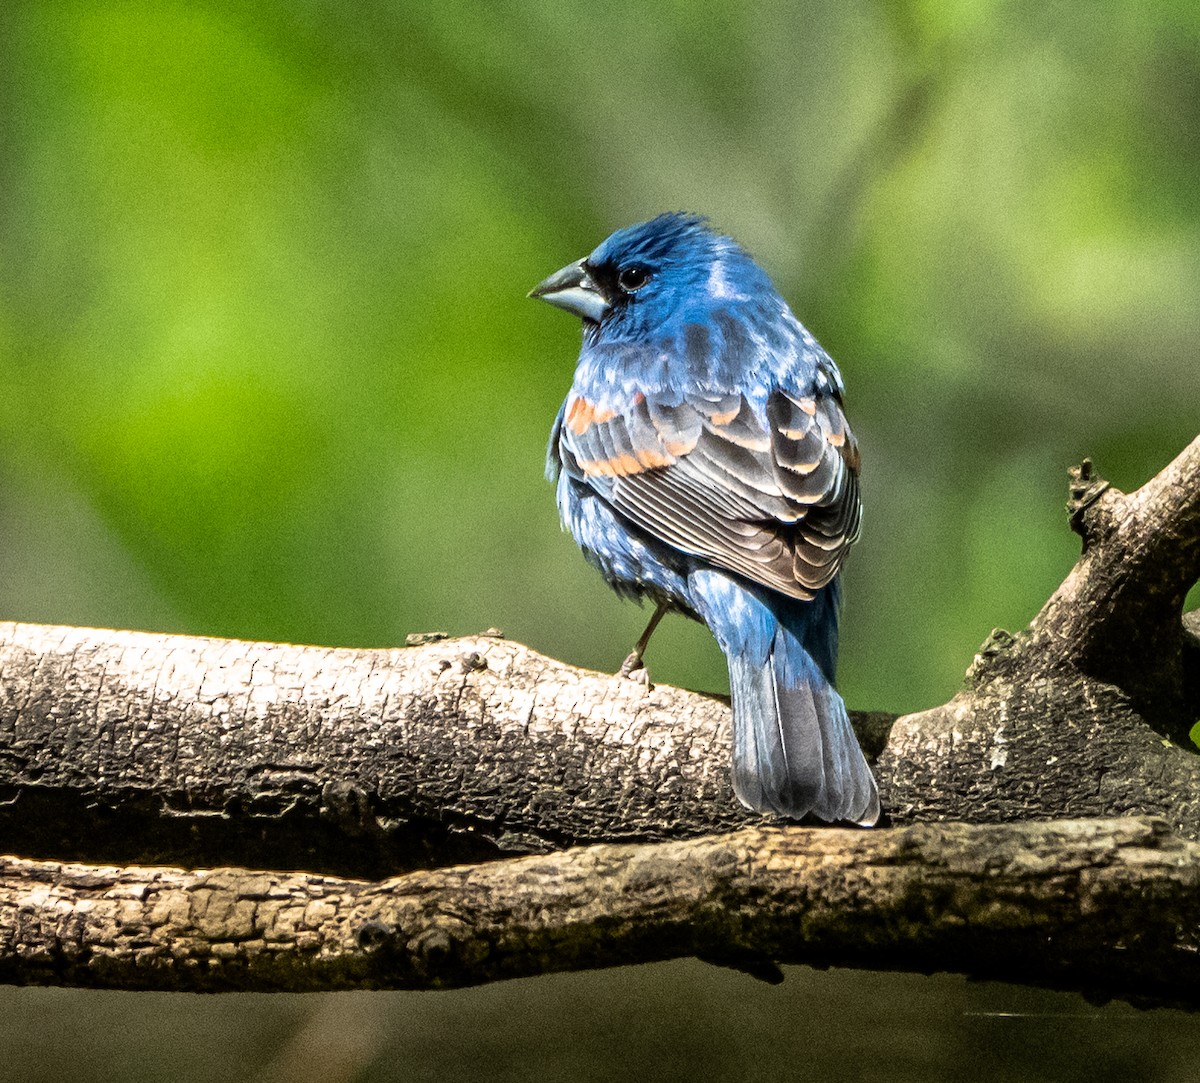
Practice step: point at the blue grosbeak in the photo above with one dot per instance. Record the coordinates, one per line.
(703, 461)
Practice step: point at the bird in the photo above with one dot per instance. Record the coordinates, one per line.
(702, 462)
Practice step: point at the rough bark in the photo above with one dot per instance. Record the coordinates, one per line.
(137, 747)
(1086, 712)
(1107, 906)
(129, 747)
(133, 747)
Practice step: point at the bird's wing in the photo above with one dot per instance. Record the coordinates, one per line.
(771, 495)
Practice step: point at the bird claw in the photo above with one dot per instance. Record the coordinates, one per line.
(634, 669)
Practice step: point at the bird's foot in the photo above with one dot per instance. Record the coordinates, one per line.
(634, 669)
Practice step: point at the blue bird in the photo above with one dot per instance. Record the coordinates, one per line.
(702, 461)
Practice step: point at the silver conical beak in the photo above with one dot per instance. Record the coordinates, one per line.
(573, 290)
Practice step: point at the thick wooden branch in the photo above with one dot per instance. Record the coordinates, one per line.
(133, 747)
(128, 747)
(1110, 907)
(1116, 617)
(1087, 712)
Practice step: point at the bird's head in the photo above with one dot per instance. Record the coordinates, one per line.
(645, 277)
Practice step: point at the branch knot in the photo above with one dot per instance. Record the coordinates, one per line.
(1085, 489)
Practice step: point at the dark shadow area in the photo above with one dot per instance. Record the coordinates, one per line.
(681, 1020)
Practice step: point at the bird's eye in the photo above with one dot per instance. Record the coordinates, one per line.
(632, 279)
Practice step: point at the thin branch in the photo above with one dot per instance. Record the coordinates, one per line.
(1110, 907)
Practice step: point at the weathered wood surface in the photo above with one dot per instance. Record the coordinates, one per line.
(128, 748)
(1111, 907)
(134, 747)
(1086, 712)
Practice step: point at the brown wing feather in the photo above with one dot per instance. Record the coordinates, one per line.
(775, 501)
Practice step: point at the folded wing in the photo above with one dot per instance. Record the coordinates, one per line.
(769, 493)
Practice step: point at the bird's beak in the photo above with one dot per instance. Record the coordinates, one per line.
(575, 290)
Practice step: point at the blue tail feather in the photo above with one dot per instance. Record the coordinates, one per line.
(794, 751)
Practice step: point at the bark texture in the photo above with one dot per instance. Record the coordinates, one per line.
(1086, 712)
(1107, 906)
(128, 748)
(134, 747)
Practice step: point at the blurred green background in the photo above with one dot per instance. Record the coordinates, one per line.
(267, 369)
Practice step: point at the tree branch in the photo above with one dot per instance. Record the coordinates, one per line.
(128, 747)
(1116, 617)
(1068, 718)
(1111, 907)
(134, 747)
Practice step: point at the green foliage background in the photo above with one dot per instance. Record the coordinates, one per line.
(267, 369)
(269, 372)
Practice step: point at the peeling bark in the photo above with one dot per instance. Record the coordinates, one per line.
(1107, 906)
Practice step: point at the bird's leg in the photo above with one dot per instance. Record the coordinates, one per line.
(633, 662)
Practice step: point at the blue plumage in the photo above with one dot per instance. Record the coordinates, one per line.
(703, 461)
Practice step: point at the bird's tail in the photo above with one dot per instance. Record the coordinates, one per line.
(794, 751)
